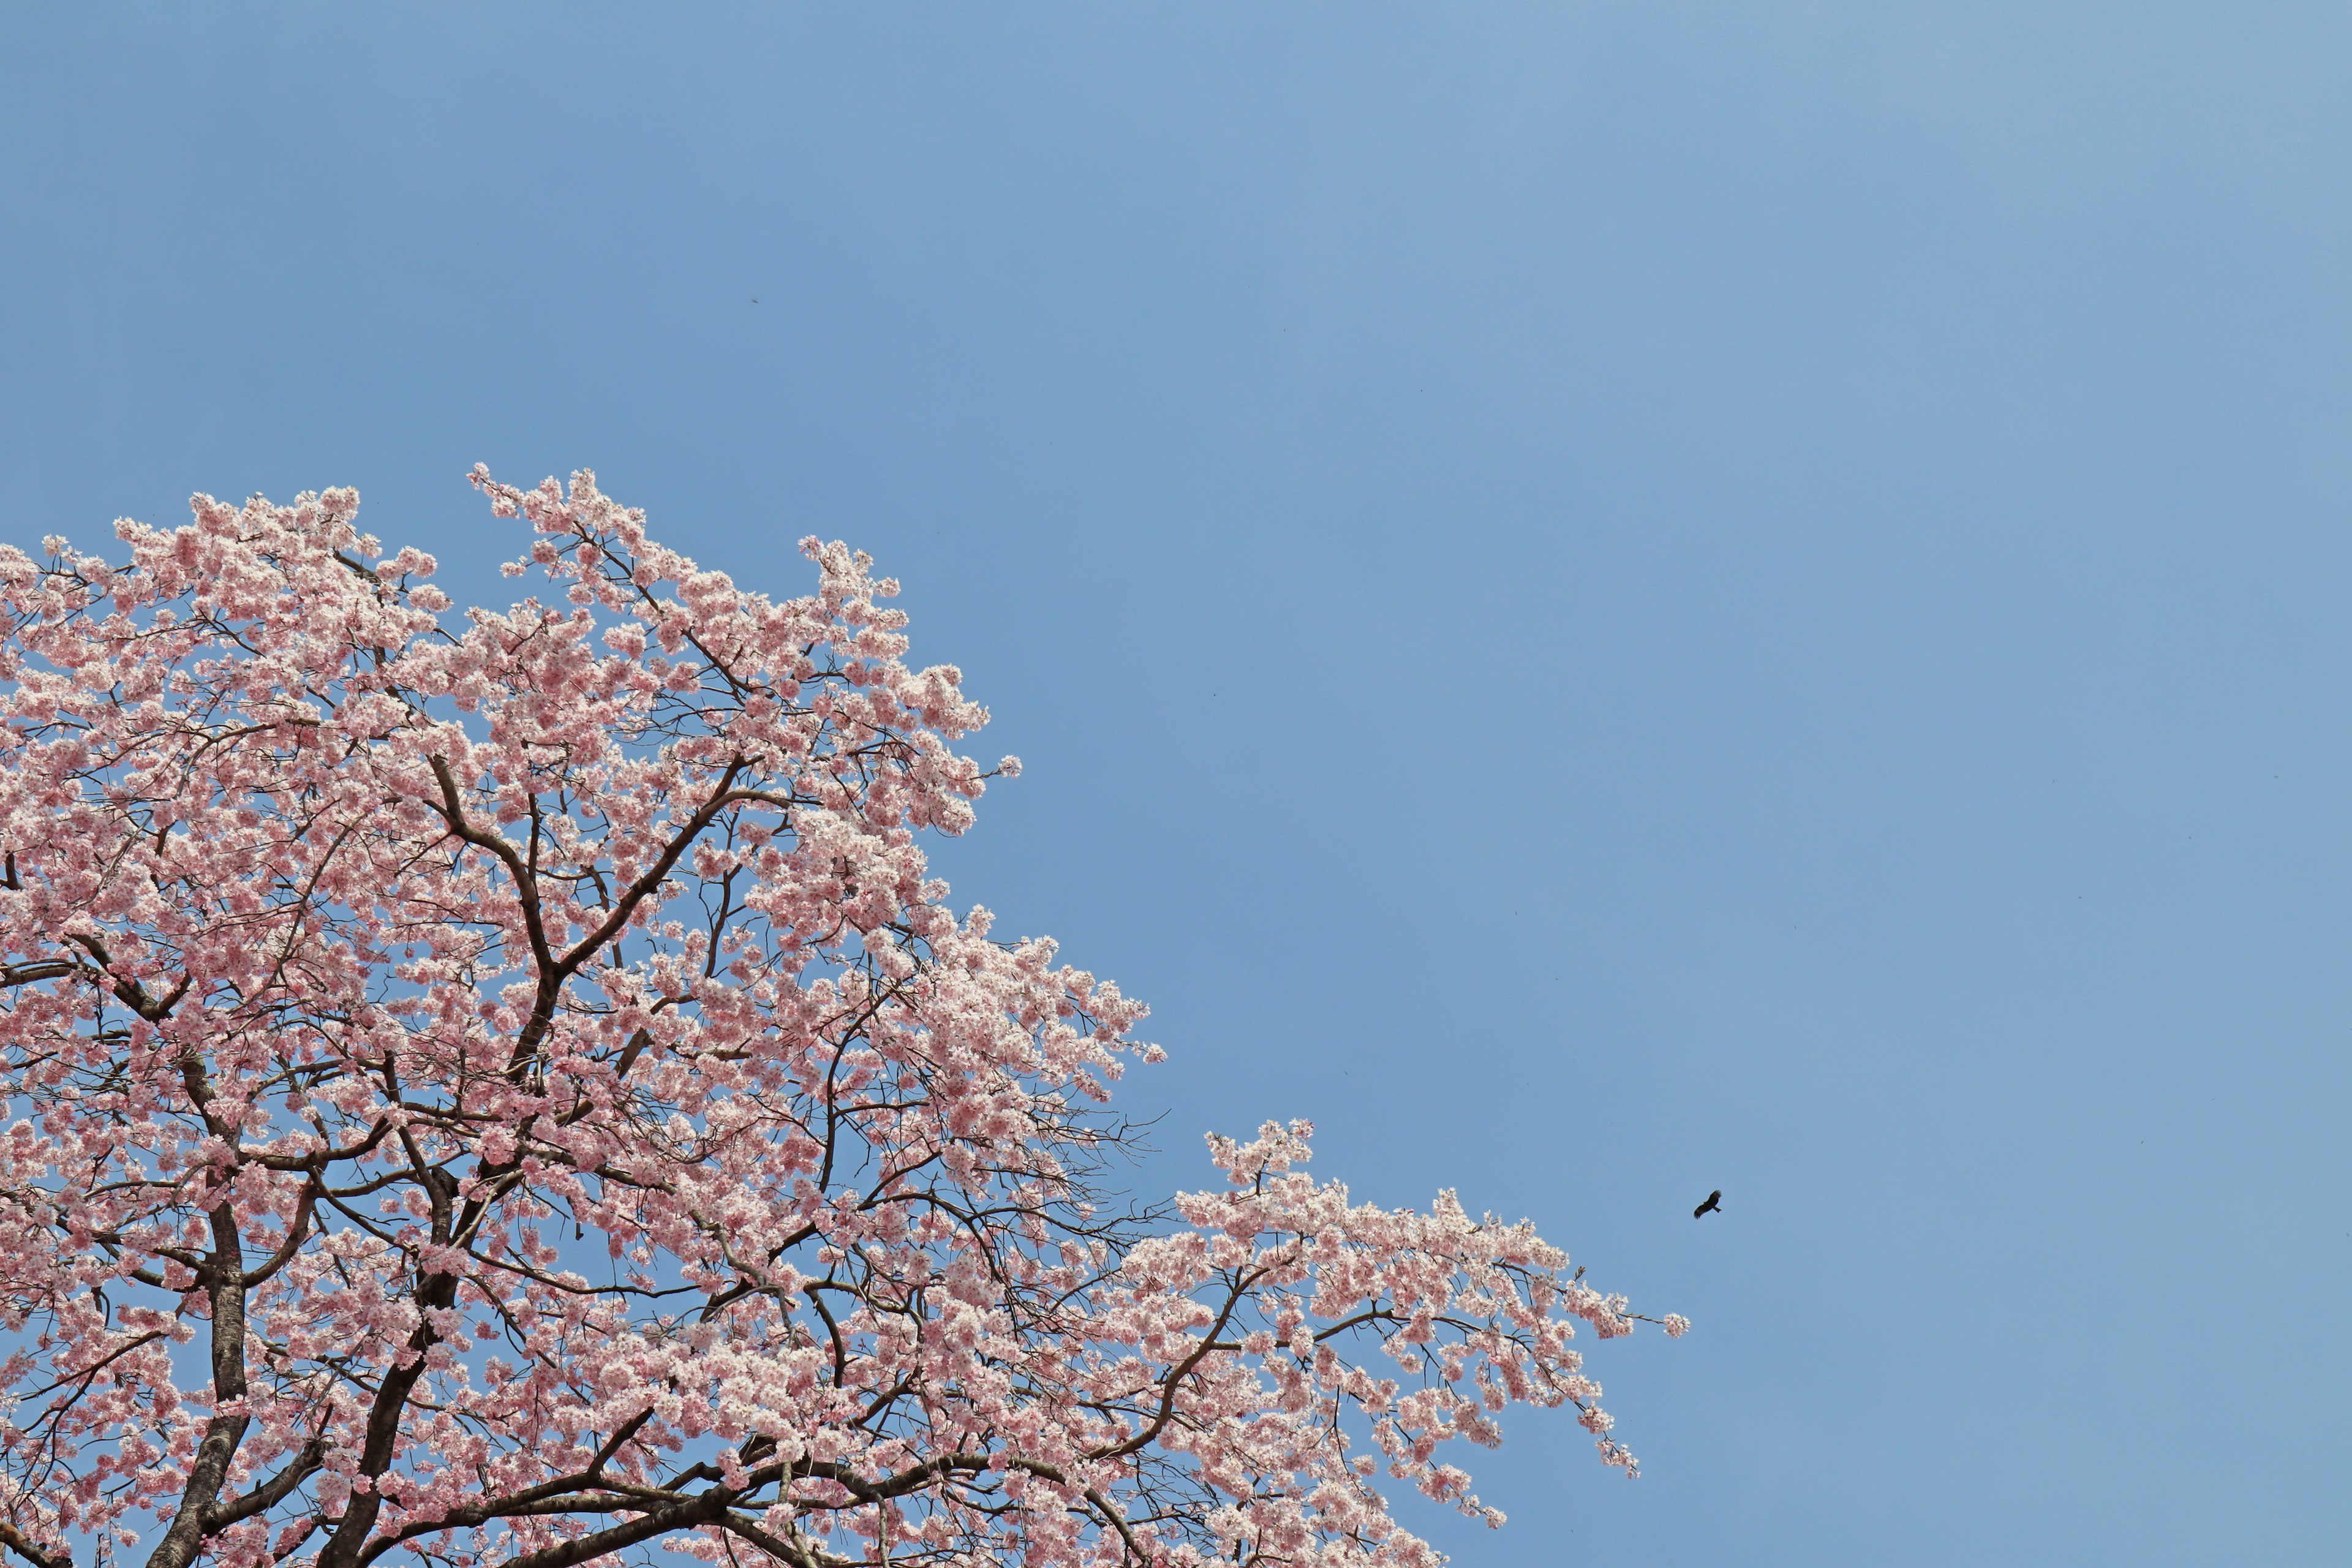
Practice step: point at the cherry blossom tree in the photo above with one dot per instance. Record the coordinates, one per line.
(504, 1089)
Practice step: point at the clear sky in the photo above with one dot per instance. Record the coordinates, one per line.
(1606, 602)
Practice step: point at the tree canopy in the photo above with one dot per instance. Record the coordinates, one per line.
(505, 1089)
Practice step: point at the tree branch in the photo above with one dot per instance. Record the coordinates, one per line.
(15, 1541)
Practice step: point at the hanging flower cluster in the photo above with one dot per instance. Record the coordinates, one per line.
(503, 1090)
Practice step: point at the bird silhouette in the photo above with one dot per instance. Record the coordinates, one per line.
(1714, 1204)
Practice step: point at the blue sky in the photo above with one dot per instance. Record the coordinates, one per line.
(1606, 601)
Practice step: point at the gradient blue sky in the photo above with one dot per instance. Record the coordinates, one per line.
(1606, 601)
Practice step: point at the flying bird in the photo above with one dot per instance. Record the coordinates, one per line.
(1714, 1204)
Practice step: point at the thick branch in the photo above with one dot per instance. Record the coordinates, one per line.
(708, 1507)
(1176, 1375)
(225, 1294)
(272, 1492)
(634, 893)
(452, 807)
(15, 1541)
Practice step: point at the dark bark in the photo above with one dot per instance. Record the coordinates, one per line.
(224, 1293)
